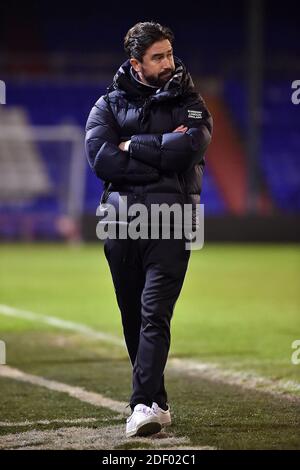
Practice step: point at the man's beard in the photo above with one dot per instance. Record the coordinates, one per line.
(159, 80)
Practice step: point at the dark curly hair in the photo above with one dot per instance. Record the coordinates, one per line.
(142, 35)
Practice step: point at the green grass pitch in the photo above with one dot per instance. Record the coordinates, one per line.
(239, 308)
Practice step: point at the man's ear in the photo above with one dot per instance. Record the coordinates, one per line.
(135, 64)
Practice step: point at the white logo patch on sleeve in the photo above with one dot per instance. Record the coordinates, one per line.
(194, 114)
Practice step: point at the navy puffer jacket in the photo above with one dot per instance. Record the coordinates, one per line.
(161, 166)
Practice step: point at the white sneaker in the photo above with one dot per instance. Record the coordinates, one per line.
(163, 416)
(142, 422)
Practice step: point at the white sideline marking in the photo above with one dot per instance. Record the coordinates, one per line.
(209, 371)
(59, 323)
(88, 438)
(247, 380)
(92, 398)
(12, 424)
(74, 437)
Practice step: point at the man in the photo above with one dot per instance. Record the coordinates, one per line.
(146, 140)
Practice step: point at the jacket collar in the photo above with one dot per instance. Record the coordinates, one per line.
(180, 83)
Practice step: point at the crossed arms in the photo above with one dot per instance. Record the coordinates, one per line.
(149, 155)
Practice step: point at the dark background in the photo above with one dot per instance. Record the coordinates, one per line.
(57, 58)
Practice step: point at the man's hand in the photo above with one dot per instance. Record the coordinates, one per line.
(124, 146)
(181, 128)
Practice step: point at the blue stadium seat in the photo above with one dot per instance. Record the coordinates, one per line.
(280, 146)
